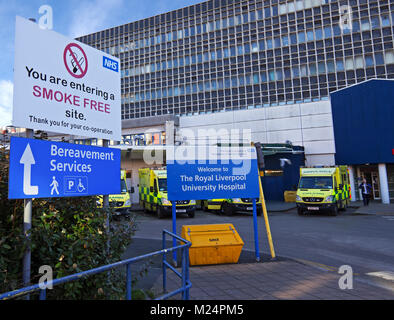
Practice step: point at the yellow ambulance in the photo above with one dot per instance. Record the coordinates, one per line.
(231, 206)
(153, 194)
(120, 202)
(323, 189)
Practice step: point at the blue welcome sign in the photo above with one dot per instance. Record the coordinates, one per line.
(218, 173)
(44, 169)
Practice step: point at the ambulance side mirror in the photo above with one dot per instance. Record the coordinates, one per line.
(132, 190)
(151, 189)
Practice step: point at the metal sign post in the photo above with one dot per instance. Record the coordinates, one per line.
(174, 257)
(261, 165)
(106, 197)
(28, 209)
(255, 231)
(106, 208)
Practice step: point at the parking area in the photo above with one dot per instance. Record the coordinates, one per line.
(361, 241)
(320, 242)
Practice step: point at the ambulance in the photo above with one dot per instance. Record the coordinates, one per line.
(229, 207)
(120, 202)
(153, 194)
(323, 189)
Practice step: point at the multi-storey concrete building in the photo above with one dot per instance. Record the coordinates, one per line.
(266, 66)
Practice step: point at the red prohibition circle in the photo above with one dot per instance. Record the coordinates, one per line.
(68, 50)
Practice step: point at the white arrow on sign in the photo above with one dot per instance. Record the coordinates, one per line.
(27, 160)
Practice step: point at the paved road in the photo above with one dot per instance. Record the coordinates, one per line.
(364, 242)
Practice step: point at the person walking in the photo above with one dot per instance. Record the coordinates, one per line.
(366, 191)
(54, 186)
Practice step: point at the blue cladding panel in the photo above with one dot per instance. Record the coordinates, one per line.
(275, 186)
(363, 117)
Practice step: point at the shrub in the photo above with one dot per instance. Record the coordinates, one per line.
(68, 234)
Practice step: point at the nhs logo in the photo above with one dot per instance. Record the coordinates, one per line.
(110, 64)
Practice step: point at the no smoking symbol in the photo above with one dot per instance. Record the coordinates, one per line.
(75, 60)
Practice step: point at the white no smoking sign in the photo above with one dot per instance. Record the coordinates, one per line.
(75, 60)
(63, 86)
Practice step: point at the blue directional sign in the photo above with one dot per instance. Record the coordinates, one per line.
(43, 169)
(224, 177)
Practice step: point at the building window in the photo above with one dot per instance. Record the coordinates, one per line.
(301, 37)
(379, 60)
(385, 21)
(340, 66)
(310, 35)
(349, 64)
(267, 12)
(322, 67)
(389, 57)
(312, 69)
(365, 24)
(359, 62)
(369, 60)
(319, 34)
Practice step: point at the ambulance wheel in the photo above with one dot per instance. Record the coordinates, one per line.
(259, 212)
(334, 211)
(191, 214)
(300, 212)
(226, 210)
(160, 213)
(204, 207)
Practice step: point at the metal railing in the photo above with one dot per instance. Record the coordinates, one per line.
(184, 274)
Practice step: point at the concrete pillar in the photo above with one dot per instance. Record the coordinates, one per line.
(170, 133)
(353, 186)
(384, 185)
(360, 195)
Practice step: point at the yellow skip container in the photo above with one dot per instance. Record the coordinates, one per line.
(213, 243)
(290, 196)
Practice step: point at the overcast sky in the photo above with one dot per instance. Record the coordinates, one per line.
(71, 18)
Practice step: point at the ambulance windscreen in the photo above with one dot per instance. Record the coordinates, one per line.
(162, 185)
(316, 183)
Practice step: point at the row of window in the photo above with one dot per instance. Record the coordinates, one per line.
(282, 42)
(362, 24)
(229, 22)
(232, 51)
(216, 106)
(274, 97)
(140, 139)
(311, 69)
(259, 92)
(267, 12)
(144, 139)
(282, 57)
(189, 111)
(92, 142)
(203, 10)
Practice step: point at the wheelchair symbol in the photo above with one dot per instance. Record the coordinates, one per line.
(80, 186)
